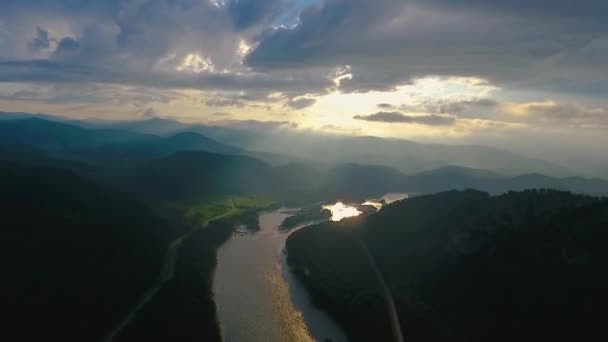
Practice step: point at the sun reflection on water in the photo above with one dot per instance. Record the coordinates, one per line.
(341, 210)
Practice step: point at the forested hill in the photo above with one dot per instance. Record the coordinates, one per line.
(75, 256)
(186, 174)
(465, 266)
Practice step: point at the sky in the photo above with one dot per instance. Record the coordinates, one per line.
(529, 76)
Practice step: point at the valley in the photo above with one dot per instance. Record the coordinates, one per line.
(185, 238)
(303, 170)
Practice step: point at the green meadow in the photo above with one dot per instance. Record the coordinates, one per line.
(207, 211)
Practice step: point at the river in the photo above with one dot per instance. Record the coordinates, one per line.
(258, 298)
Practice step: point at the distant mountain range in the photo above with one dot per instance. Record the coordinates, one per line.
(406, 156)
(189, 165)
(189, 174)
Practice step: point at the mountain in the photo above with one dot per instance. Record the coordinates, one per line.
(458, 178)
(275, 142)
(452, 177)
(75, 255)
(159, 147)
(157, 126)
(113, 151)
(187, 174)
(53, 135)
(463, 266)
(406, 156)
(196, 175)
(106, 143)
(592, 186)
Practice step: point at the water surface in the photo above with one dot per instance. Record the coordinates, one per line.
(258, 298)
(340, 210)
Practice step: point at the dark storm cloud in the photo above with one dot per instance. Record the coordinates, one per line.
(384, 43)
(246, 13)
(45, 71)
(42, 40)
(539, 8)
(68, 48)
(398, 117)
(499, 40)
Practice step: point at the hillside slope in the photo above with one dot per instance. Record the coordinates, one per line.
(74, 256)
(465, 266)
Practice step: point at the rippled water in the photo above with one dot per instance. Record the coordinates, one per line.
(258, 298)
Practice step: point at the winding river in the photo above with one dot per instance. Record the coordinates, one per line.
(258, 298)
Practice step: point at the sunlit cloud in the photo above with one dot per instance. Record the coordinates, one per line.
(243, 50)
(447, 69)
(340, 74)
(196, 63)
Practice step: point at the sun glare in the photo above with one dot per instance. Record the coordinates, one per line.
(341, 210)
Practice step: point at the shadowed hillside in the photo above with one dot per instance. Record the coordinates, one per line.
(464, 266)
(75, 256)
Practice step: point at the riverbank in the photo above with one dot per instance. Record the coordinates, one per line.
(183, 309)
(180, 305)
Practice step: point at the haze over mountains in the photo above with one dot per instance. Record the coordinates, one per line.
(158, 149)
(406, 156)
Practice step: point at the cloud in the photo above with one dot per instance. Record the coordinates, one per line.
(260, 126)
(92, 94)
(398, 117)
(225, 102)
(221, 114)
(301, 103)
(114, 42)
(149, 113)
(287, 54)
(340, 130)
(67, 49)
(559, 114)
(246, 13)
(42, 41)
(462, 106)
(45, 71)
(396, 40)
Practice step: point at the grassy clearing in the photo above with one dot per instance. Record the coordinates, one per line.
(225, 207)
(252, 202)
